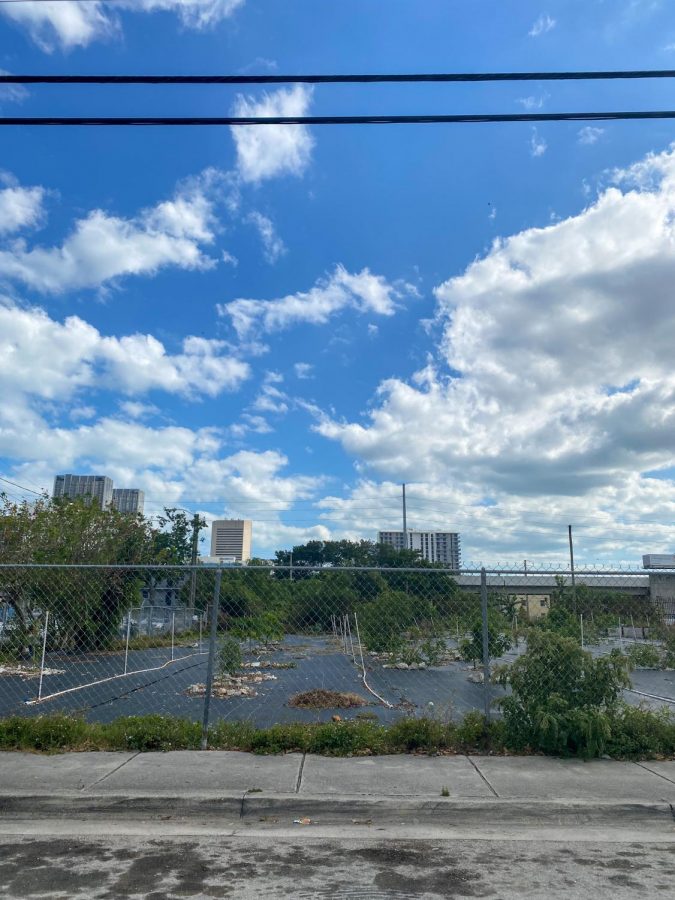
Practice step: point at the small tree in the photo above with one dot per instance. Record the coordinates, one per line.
(499, 640)
(229, 657)
(562, 699)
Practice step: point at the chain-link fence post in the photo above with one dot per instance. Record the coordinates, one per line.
(486, 643)
(212, 658)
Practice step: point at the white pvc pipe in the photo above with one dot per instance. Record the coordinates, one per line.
(173, 632)
(42, 662)
(81, 687)
(363, 667)
(581, 622)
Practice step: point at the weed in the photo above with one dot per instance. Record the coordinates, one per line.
(445, 792)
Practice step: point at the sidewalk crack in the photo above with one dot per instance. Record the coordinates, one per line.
(652, 772)
(88, 787)
(483, 776)
(300, 772)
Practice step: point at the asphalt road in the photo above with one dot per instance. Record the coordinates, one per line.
(168, 867)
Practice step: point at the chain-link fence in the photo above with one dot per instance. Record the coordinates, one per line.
(273, 644)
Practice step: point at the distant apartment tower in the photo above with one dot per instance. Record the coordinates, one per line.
(128, 500)
(434, 546)
(231, 538)
(99, 487)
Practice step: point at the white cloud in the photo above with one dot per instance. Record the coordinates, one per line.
(538, 145)
(303, 370)
(134, 409)
(531, 103)
(12, 93)
(70, 23)
(565, 393)
(273, 246)
(77, 413)
(271, 399)
(362, 291)
(267, 151)
(20, 207)
(103, 247)
(543, 24)
(43, 358)
(590, 134)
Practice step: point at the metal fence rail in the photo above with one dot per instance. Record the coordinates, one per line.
(271, 644)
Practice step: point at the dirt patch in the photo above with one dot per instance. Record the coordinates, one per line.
(322, 699)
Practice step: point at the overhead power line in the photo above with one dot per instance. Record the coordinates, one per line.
(382, 78)
(460, 119)
(20, 486)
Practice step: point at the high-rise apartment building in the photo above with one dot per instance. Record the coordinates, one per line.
(128, 500)
(434, 546)
(231, 538)
(98, 487)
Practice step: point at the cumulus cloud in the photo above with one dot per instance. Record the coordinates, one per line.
(273, 246)
(543, 24)
(267, 151)
(43, 358)
(538, 145)
(102, 247)
(555, 378)
(20, 207)
(590, 134)
(303, 370)
(341, 290)
(69, 23)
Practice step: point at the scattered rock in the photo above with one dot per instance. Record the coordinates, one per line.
(402, 665)
(225, 686)
(476, 678)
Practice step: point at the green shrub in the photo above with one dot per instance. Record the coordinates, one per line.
(48, 733)
(418, 734)
(344, 738)
(153, 733)
(669, 649)
(562, 698)
(644, 655)
(499, 640)
(229, 656)
(638, 733)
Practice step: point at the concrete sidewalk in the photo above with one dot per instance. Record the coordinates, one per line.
(239, 785)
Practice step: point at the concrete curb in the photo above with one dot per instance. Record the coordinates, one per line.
(343, 810)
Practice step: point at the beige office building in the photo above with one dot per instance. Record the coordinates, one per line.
(231, 538)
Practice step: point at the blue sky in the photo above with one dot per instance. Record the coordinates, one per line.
(284, 324)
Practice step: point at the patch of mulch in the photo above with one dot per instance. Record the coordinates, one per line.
(323, 699)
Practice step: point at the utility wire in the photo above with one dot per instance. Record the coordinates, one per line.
(414, 78)
(20, 486)
(460, 119)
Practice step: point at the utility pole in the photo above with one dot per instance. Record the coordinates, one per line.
(195, 550)
(405, 521)
(574, 587)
